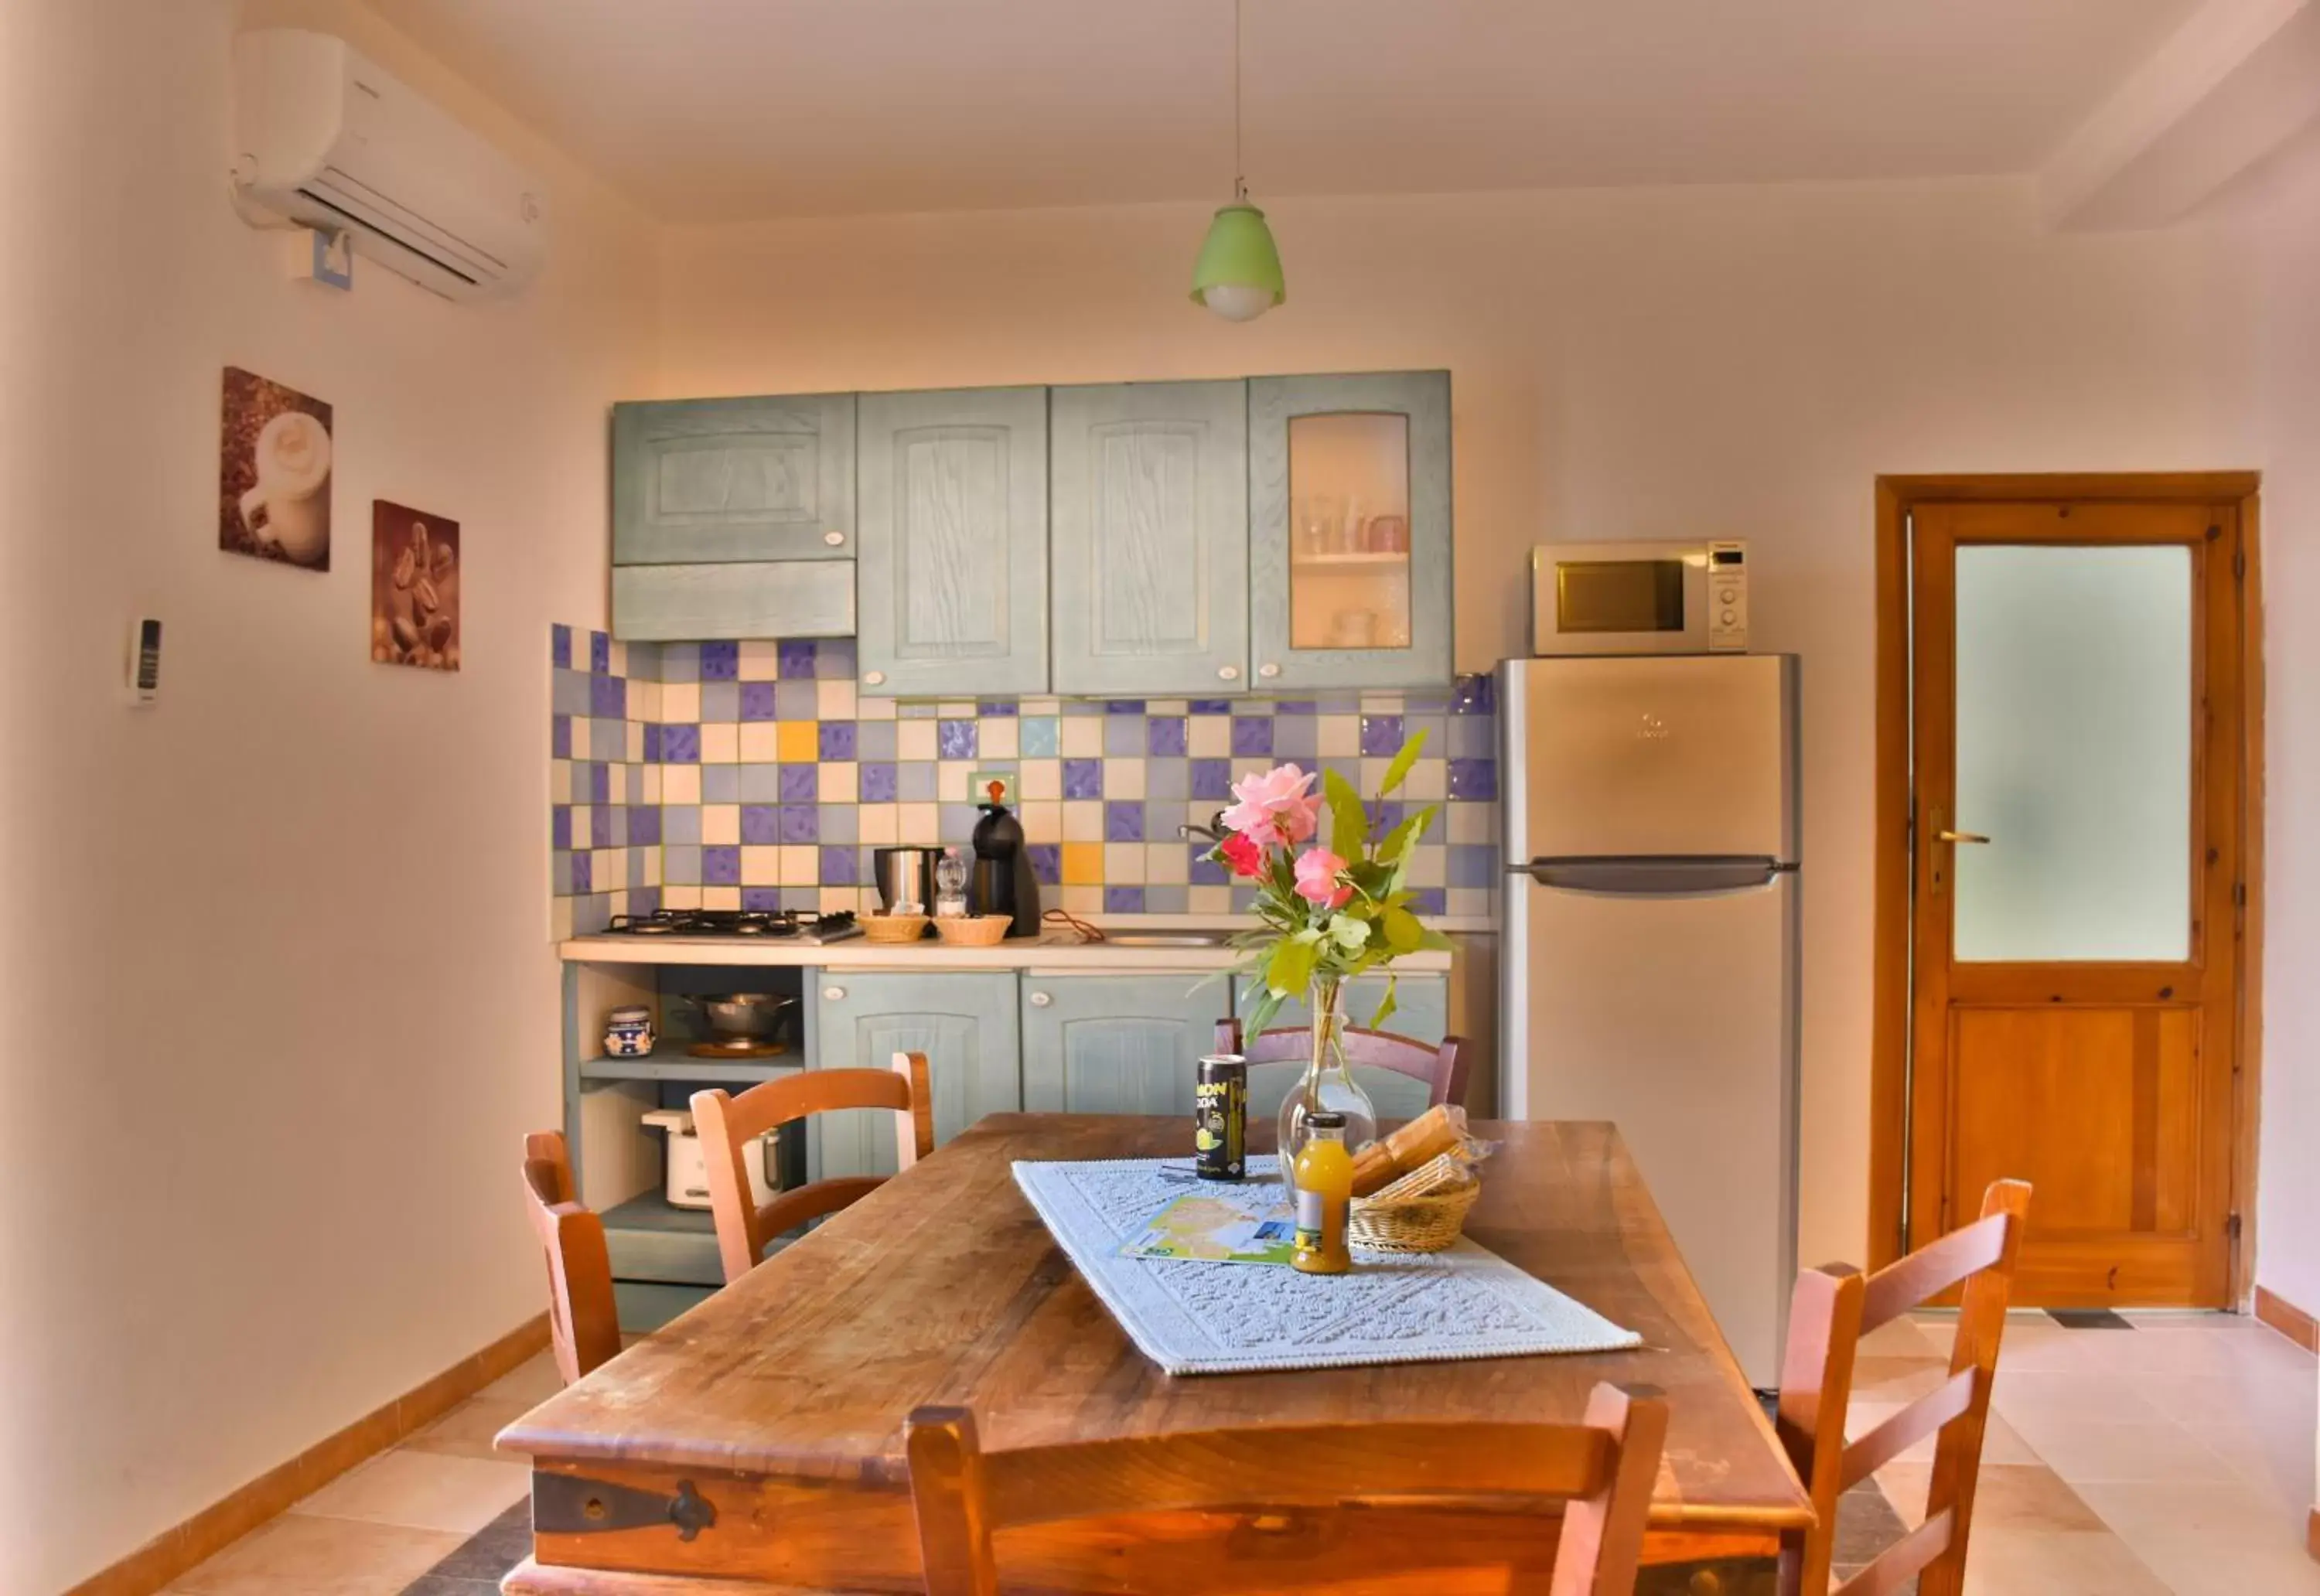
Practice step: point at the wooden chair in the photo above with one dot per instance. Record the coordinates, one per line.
(1606, 1465)
(585, 1323)
(1831, 1310)
(728, 1125)
(1440, 1068)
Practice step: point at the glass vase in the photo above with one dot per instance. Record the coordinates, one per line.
(1327, 1083)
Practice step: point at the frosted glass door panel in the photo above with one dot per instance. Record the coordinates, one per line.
(1349, 530)
(2073, 753)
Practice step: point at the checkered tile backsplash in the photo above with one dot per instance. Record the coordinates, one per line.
(748, 776)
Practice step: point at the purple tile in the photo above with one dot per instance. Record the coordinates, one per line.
(795, 658)
(559, 737)
(608, 698)
(1384, 815)
(1206, 871)
(1251, 735)
(801, 823)
(1002, 708)
(600, 825)
(1474, 780)
(757, 701)
(761, 900)
(1213, 780)
(652, 742)
(559, 825)
(582, 873)
(761, 823)
(1432, 900)
(1082, 778)
(801, 784)
(559, 647)
(837, 740)
(956, 739)
(1123, 820)
(1123, 900)
(834, 659)
(720, 662)
(680, 744)
(1123, 706)
(1047, 862)
(1473, 863)
(1164, 737)
(644, 825)
(1381, 735)
(1211, 706)
(644, 900)
(1474, 695)
(1296, 706)
(600, 784)
(720, 866)
(600, 653)
(839, 865)
(877, 782)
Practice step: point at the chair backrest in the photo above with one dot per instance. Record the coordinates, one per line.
(1831, 1310)
(1604, 1466)
(727, 1127)
(584, 1322)
(1441, 1068)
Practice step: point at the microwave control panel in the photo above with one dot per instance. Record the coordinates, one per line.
(1728, 598)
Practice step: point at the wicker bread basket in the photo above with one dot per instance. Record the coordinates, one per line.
(973, 931)
(888, 928)
(1422, 1212)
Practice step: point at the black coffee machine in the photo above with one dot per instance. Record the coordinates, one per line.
(1001, 882)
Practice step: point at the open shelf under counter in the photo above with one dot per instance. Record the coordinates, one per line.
(675, 1061)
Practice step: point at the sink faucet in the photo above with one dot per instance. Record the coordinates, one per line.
(1212, 833)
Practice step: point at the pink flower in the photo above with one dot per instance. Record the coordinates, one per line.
(1274, 807)
(1316, 878)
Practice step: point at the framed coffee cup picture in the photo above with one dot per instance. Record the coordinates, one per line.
(274, 473)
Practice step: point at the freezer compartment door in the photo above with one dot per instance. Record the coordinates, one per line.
(1675, 756)
(1675, 1017)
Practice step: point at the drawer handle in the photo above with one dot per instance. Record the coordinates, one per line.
(833, 539)
(1040, 1000)
(1268, 670)
(1230, 673)
(874, 678)
(834, 993)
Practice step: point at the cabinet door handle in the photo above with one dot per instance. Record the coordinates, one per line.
(834, 993)
(1230, 673)
(833, 539)
(1040, 1000)
(1268, 670)
(874, 678)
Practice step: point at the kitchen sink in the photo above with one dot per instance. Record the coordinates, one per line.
(1166, 938)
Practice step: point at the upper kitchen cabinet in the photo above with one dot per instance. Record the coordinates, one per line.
(717, 481)
(953, 535)
(1349, 530)
(1149, 520)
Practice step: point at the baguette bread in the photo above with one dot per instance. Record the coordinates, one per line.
(1426, 1138)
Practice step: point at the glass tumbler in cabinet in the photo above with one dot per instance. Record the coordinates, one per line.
(1350, 498)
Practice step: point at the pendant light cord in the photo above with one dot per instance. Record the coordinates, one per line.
(1240, 180)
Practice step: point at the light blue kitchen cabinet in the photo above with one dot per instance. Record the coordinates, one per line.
(953, 535)
(719, 481)
(1349, 530)
(964, 1023)
(1148, 536)
(770, 599)
(1421, 1011)
(1117, 1044)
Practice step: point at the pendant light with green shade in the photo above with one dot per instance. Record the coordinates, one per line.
(1238, 273)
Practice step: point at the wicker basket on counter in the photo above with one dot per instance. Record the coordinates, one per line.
(1424, 1211)
(973, 931)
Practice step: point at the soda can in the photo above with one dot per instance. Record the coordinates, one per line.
(1220, 1117)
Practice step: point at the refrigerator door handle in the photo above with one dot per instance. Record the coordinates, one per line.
(1645, 876)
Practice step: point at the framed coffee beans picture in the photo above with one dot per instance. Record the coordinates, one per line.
(414, 587)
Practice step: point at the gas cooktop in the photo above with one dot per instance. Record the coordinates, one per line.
(791, 925)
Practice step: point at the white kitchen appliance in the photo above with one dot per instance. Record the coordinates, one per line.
(1650, 960)
(1639, 598)
(687, 1182)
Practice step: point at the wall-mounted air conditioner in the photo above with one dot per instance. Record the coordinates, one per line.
(327, 139)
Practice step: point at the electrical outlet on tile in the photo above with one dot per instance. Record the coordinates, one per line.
(979, 783)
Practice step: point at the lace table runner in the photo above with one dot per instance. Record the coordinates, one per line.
(1195, 1317)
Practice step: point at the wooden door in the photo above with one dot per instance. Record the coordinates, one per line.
(1117, 1044)
(953, 572)
(1349, 530)
(1149, 538)
(964, 1023)
(716, 481)
(2078, 724)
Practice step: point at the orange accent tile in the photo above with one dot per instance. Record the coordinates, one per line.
(800, 741)
(1083, 864)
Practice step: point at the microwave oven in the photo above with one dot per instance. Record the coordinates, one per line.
(1639, 598)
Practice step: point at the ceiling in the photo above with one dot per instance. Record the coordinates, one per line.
(721, 110)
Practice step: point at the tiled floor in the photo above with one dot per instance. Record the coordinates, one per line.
(2174, 1456)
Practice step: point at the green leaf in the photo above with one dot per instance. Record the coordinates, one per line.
(1403, 934)
(1386, 1005)
(1403, 837)
(1292, 969)
(1348, 825)
(1433, 941)
(1262, 1007)
(1403, 761)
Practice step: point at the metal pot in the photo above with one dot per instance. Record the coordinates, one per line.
(742, 1016)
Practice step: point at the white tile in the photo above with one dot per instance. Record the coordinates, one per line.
(1474, 822)
(653, 783)
(1082, 819)
(423, 1491)
(559, 918)
(680, 897)
(914, 739)
(1123, 864)
(1428, 782)
(1084, 900)
(680, 703)
(580, 824)
(761, 865)
(720, 742)
(873, 709)
(760, 742)
(559, 781)
(1430, 866)
(1470, 901)
(1039, 706)
(651, 867)
(835, 899)
(1040, 779)
(720, 897)
(918, 824)
(1167, 863)
(1341, 736)
(800, 864)
(1382, 704)
(1001, 738)
(1209, 736)
(833, 700)
(721, 824)
(955, 708)
(760, 660)
(951, 780)
(580, 739)
(1123, 778)
(617, 901)
(1209, 900)
(877, 824)
(616, 658)
(680, 783)
(644, 701)
(840, 782)
(636, 742)
(1080, 736)
(1043, 819)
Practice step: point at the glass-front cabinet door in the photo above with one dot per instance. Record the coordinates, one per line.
(1349, 534)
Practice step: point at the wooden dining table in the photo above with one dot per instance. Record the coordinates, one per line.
(755, 1444)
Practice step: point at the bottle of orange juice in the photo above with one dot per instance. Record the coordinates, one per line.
(1325, 1196)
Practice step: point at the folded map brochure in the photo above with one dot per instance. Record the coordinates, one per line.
(1254, 1228)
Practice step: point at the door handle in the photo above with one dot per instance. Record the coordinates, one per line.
(1947, 836)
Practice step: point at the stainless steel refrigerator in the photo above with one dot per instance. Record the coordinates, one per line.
(1650, 967)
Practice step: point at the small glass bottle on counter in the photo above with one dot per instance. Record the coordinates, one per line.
(950, 885)
(1324, 1183)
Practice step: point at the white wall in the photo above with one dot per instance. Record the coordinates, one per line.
(1739, 361)
(278, 990)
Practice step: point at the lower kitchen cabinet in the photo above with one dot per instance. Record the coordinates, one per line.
(1117, 1044)
(1421, 1011)
(964, 1023)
